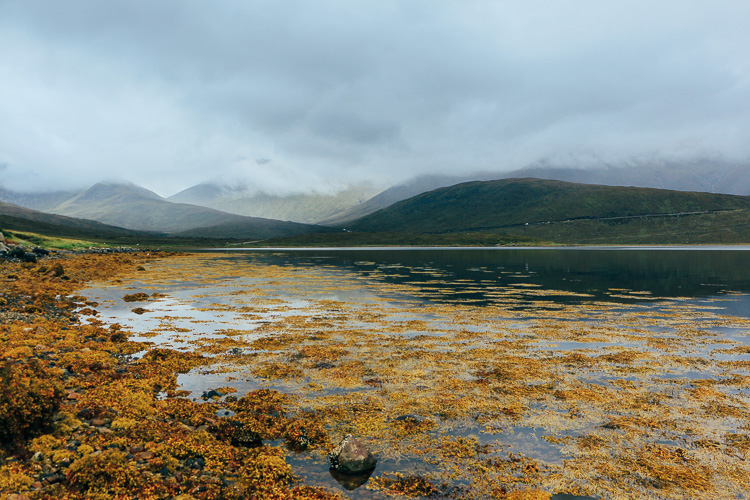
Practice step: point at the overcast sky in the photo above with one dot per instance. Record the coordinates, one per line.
(167, 94)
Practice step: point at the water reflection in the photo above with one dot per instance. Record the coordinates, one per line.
(584, 275)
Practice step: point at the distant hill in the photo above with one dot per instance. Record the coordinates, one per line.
(133, 207)
(710, 176)
(551, 210)
(42, 201)
(307, 208)
(14, 217)
(400, 192)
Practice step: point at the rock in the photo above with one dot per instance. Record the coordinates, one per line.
(17, 252)
(4, 249)
(2, 238)
(57, 270)
(86, 414)
(213, 393)
(243, 436)
(351, 481)
(40, 251)
(30, 257)
(351, 457)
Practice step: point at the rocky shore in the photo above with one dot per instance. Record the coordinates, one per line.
(80, 417)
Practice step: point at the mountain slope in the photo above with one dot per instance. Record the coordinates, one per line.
(133, 207)
(42, 201)
(710, 176)
(400, 192)
(307, 208)
(502, 204)
(24, 219)
(704, 176)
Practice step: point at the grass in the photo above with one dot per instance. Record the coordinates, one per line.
(59, 243)
(573, 213)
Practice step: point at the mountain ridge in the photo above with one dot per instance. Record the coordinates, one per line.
(534, 207)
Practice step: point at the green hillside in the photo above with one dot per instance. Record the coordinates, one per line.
(565, 212)
(24, 219)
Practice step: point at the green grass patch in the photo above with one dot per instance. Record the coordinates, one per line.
(49, 241)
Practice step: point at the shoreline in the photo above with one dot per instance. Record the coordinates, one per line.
(84, 419)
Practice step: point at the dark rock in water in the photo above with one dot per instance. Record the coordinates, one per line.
(213, 393)
(351, 481)
(351, 457)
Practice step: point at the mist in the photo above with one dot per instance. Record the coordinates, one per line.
(172, 93)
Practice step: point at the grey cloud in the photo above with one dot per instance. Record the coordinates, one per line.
(173, 92)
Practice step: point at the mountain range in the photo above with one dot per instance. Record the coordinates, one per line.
(132, 207)
(531, 207)
(243, 200)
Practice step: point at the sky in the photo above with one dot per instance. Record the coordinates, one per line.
(299, 95)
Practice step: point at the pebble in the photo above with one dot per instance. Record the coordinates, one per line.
(144, 455)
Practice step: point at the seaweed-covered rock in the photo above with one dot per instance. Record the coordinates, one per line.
(57, 270)
(351, 457)
(30, 397)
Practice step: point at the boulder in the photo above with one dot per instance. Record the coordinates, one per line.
(351, 481)
(351, 457)
(17, 252)
(2, 238)
(57, 270)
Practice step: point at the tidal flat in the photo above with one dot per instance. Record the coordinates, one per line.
(498, 381)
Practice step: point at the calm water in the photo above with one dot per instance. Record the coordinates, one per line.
(594, 274)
